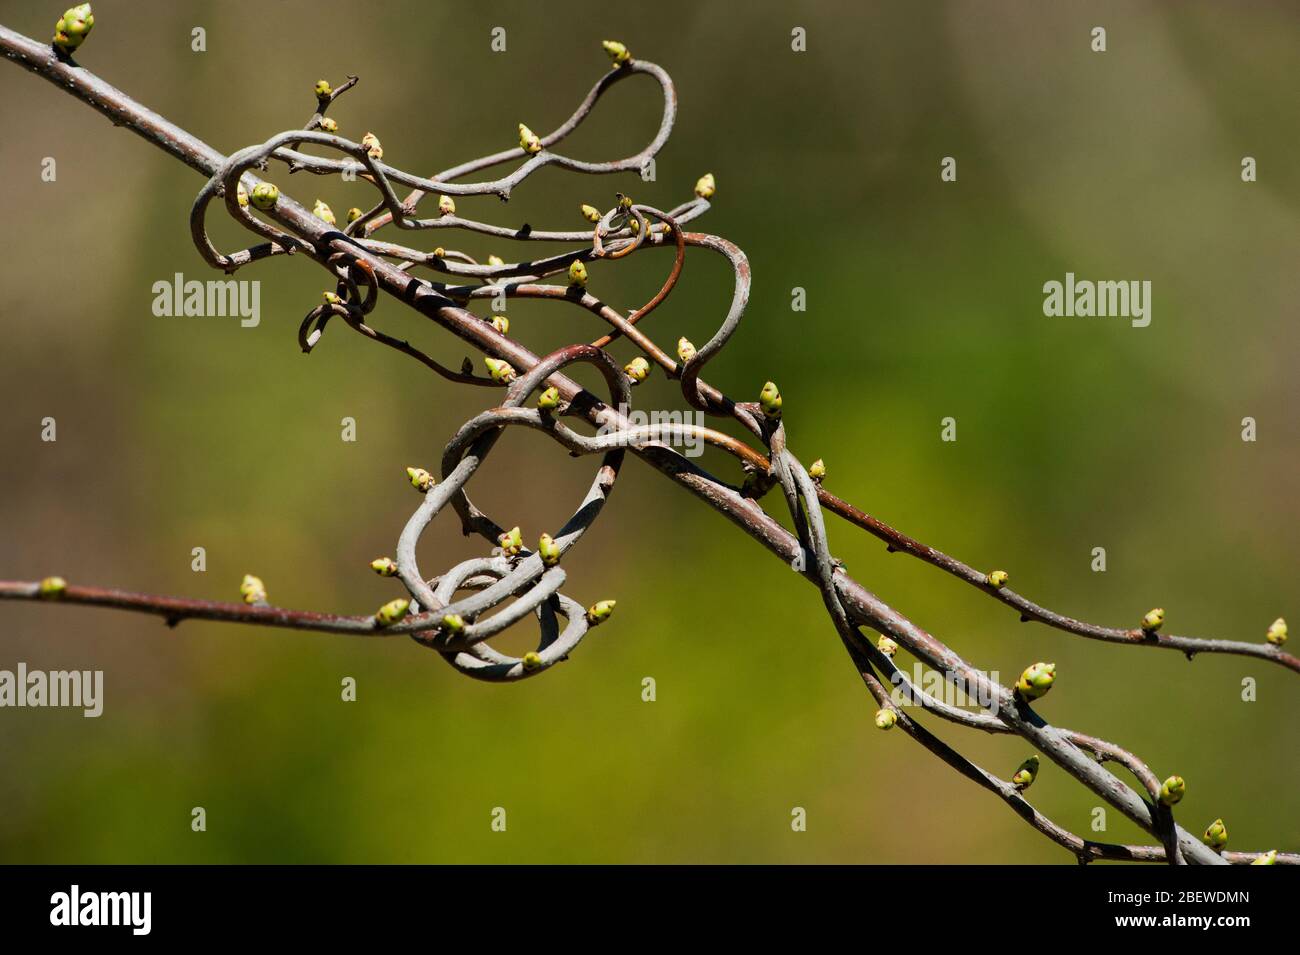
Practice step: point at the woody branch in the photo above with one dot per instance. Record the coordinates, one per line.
(459, 627)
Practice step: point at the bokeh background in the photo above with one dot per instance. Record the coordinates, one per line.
(924, 302)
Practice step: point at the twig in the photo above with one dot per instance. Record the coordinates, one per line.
(459, 628)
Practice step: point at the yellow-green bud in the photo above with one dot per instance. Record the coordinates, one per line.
(501, 371)
(885, 719)
(1036, 680)
(1276, 632)
(446, 205)
(549, 550)
(886, 646)
(818, 470)
(1172, 790)
(549, 399)
(638, 369)
(252, 589)
(599, 612)
(51, 588)
(495, 260)
(73, 27)
(1026, 774)
(624, 202)
(420, 479)
(577, 273)
(453, 624)
(511, 541)
(531, 660)
(329, 125)
(373, 146)
(241, 195)
(501, 324)
(265, 195)
(617, 51)
(384, 566)
(354, 214)
(685, 350)
(997, 578)
(1153, 620)
(392, 612)
(331, 299)
(324, 91)
(324, 212)
(1268, 858)
(706, 186)
(528, 140)
(1216, 837)
(590, 213)
(770, 400)
(439, 252)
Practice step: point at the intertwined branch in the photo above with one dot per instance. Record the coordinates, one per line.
(458, 611)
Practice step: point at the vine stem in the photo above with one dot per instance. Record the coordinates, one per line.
(321, 242)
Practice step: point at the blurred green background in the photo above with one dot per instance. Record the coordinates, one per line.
(924, 301)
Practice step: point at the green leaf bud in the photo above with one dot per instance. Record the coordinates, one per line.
(549, 399)
(1172, 791)
(420, 479)
(265, 195)
(511, 541)
(501, 371)
(528, 140)
(600, 611)
(51, 588)
(1026, 774)
(1216, 836)
(638, 369)
(392, 612)
(1036, 680)
(252, 590)
(617, 51)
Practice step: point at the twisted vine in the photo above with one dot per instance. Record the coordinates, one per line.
(457, 612)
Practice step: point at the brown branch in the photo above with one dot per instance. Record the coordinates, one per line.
(516, 572)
